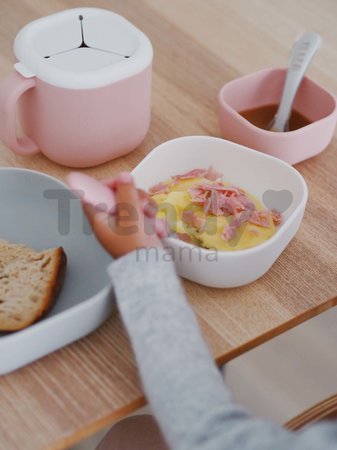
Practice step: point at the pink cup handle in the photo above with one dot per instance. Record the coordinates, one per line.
(11, 90)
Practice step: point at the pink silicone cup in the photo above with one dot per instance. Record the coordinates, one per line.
(94, 192)
(76, 127)
(264, 88)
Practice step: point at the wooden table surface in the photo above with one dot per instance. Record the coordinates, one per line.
(199, 45)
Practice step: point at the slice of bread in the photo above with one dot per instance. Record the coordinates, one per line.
(29, 283)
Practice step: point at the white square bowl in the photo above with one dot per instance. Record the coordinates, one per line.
(32, 214)
(243, 167)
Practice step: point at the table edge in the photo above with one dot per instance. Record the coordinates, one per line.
(95, 426)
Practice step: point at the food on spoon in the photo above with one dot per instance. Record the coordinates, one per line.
(29, 283)
(203, 210)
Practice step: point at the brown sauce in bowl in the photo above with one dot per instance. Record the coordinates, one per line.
(263, 115)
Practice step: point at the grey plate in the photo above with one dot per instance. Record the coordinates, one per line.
(39, 211)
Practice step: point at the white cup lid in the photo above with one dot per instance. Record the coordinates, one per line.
(82, 48)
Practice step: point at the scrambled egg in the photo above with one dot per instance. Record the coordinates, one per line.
(206, 230)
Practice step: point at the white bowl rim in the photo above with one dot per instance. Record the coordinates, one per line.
(235, 253)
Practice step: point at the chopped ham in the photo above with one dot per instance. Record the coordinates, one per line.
(214, 205)
(231, 205)
(235, 205)
(160, 188)
(199, 222)
(229, 191)
(195, 173)
(220, 200)
(277, 217)
(192, 219)
(210, 174)
(241, 218)
(197, 195)
(207, 205)
(228, 233)
(187, 217)
(216, 199)
(260, 218)
(247, 202)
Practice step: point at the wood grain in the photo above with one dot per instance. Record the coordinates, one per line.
(199, 45)
(325, 410)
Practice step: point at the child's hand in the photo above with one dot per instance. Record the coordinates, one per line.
(132, 227)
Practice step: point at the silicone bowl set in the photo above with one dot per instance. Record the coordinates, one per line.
(82, 88)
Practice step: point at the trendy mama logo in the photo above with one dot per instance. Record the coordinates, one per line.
(130, 221)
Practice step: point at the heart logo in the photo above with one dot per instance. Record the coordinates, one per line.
(279, 200)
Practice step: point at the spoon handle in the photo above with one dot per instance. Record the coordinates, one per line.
(302, 53)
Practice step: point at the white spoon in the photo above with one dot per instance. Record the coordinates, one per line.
(302, 53)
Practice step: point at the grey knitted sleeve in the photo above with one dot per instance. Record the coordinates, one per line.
(183, 385)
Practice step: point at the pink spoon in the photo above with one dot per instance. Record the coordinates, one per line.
(92, 191)
(96, 193)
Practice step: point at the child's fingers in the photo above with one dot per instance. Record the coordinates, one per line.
(89, 212)
(126, 191)
(110, 182)
(149, 206)
(150, 209)
(103, 225)
(95, 216)
(127, 199)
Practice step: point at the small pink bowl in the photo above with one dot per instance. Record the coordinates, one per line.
(264, 87)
